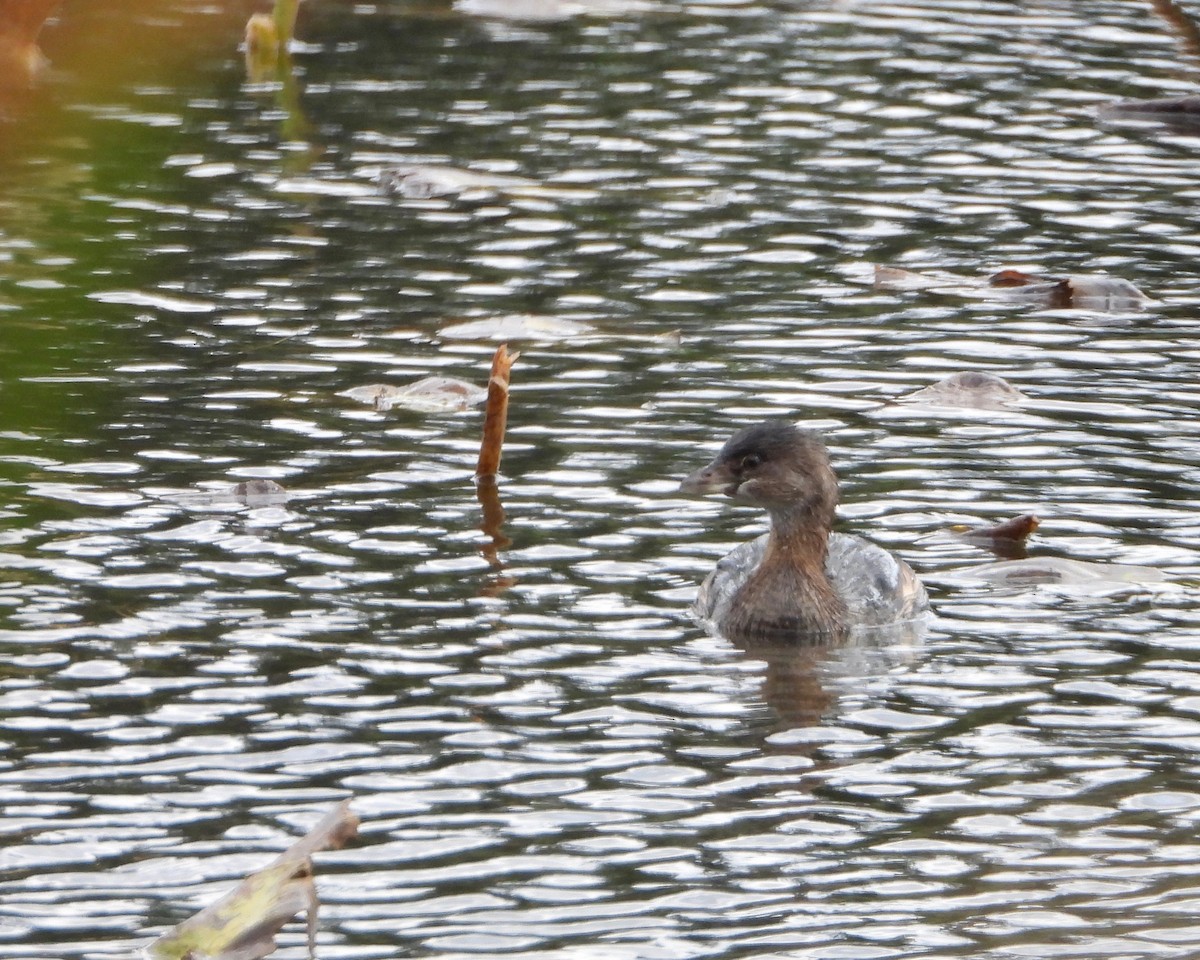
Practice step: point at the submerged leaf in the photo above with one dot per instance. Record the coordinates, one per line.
(972, 388)
(417, 182)
(1075, 575)
(1096, 292)
(893, 278)
(427, 395)
(546, 11)
(260, 491)
(517, 326)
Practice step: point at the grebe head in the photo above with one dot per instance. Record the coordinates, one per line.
(773, 465)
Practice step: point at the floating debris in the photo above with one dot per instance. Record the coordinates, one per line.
(1083, 292)
(427, 395)
(971, 388)
(260, 492)
(549, 11)
(1080, 292)
(1006, 539)
(520, 326)
(424, 182)
(1184, 109)
(1074, 575)
(523, 326)
(243, 924)
(1017, 528)
(227, 497)
(893, 278)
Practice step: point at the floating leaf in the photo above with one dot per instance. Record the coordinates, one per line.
(1017, 528)
(243, 924)
(427, 395)
(1006, 539)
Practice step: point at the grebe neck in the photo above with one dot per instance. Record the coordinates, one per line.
(789, 594)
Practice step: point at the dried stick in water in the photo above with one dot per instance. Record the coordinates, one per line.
(496, 417)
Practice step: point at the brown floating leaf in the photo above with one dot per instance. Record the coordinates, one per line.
(242, 925)
(496, 417)
(1005, 539)
(1018, 528)
(1015, 278)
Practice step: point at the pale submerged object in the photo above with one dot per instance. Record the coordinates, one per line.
(428, 395)
(974, 389)
(1062, 573)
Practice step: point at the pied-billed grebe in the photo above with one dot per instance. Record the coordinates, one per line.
(799, 581)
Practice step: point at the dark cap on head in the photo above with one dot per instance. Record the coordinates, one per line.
(769, 440)
(774, 464)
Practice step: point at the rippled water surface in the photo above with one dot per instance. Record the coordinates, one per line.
(550, 759)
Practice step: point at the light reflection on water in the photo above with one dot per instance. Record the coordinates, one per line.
(549, 758)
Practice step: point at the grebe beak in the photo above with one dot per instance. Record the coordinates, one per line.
(715, 478)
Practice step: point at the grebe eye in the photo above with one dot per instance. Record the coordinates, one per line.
(750, 461)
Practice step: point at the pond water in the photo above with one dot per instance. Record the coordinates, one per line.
(550, 759)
